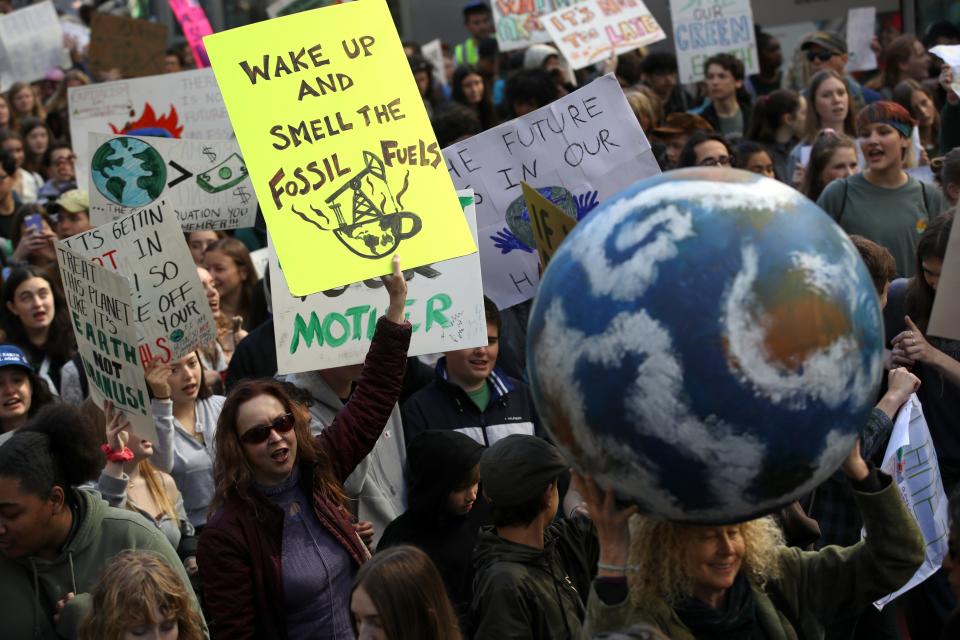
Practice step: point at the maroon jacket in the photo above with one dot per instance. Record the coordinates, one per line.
(240, 555)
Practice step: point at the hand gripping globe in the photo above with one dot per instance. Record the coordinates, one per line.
(708, 343)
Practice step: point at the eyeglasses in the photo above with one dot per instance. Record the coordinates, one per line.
(260, 433)
(822, 55)
(65, 159)
(723, 161)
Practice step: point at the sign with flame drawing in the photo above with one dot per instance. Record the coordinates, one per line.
(338, 144)
(173, 105)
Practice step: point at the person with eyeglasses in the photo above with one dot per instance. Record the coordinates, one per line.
(706, 149)
(828, 50)
(280, 552)
(63, 177)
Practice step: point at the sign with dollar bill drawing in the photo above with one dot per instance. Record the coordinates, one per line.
(203, 182)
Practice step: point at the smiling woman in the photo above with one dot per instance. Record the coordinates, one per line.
(22, 393)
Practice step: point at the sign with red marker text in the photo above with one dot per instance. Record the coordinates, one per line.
(339, 146)
(170, 308)
(519, 22)
(102, 317)
(593, 30)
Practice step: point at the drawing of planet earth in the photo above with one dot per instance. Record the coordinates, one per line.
(708, 343)
(128, 172)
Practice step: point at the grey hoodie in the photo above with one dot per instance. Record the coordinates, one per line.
(376, 485)
(30, 587)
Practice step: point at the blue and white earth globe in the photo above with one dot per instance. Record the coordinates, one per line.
(708, 343)
(128, 172)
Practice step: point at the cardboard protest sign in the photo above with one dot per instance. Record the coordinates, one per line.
(170, 308)
(135, 47)
(550, 223)
(31, 43)
(518, 22)
(586, 146)
(702, 28)
(204, 183)
(338, 143)
(945, 316)
(950, 54)
(911, 460)
(102, 316)
(593, 30)
(334, 328)
(173, 105)
(860, 30)
(195, 25)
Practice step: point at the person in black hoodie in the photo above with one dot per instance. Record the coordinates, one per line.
(444, 516)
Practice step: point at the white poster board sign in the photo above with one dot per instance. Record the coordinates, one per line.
(911, 461)
(519, 23)
(703, 28)
(582, 149)
(31, 43)
(593, 30)
(860, 30)
(334, 328)
(950, 54)
(433, 53)
(204, 182)
(187, 104)
(102, 316)
(170, 307)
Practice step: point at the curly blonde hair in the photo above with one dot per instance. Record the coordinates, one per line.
(659, 552)
(135, 587)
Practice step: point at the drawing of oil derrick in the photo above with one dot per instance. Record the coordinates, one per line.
(370, 220)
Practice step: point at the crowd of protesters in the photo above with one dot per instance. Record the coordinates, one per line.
(401, 500)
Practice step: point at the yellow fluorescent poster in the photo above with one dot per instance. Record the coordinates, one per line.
(338, 145)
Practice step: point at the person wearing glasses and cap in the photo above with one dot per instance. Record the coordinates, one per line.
(279, 554)
(827, 50)
(532, 574)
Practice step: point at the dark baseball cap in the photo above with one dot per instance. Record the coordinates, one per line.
(827, 40)
(518, 468)
(12, 356)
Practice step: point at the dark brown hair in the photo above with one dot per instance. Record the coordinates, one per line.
(880, 262)
(238, 252)
(824, 146)
(409, 595)
(232, 474)
(918, 301)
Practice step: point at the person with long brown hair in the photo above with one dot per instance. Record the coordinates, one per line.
(399, 595)
(280, 551)
(832, 156)
(905, 57)
(919, 101)
(137, 595)
(228, 261)
(830, 107)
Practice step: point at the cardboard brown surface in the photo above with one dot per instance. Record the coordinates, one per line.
(135, 47)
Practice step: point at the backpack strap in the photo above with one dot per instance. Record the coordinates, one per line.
(843, 203)
(923, 193)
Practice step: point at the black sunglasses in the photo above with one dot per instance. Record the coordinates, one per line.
(823, 55)
(260, 433)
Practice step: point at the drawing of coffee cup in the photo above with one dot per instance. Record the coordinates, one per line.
(379, 236)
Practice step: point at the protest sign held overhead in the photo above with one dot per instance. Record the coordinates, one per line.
(339, 146)
(31, 43)
(173, 105)
(519, 22)
(170, 307)
(195, 26)
(702, 28)
(586, 146)
(593, 30)
(861, 24)
(102, 316)
(135, 47)
(204, 183)
(945, 315)
(334, 328)
(550, 223)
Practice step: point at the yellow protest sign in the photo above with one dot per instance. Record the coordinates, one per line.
(338, 145)
(550, 224)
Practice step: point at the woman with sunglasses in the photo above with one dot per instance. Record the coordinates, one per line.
(185, 413)
(279, 554)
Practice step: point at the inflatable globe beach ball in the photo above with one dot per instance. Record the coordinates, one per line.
(708, 343)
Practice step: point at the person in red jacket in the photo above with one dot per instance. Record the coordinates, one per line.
(278, 557)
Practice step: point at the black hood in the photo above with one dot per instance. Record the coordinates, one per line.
(437, 462)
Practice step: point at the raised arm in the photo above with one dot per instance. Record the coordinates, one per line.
(358, 425)
(161, 407)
